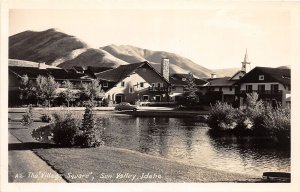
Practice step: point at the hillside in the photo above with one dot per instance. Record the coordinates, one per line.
(56, 48)
(179, 64)
(227, 72)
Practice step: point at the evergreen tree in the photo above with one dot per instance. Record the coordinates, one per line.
(191, 89)
(88, 119)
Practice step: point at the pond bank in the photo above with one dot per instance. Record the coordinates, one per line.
(96, 164)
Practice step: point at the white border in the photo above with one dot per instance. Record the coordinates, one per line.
(292, 6)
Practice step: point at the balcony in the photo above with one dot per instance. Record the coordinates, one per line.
(158, 89)
(263, 92)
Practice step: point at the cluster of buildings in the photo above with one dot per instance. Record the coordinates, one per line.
(141, 82)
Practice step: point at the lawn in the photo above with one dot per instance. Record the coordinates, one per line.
(107, 164)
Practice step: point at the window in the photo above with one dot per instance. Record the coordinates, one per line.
(230, 88)
(123, 84)
(146, 97)
(142, 84)
(105, 84)
(130, 90)
(248, 88)
(158, 84)
(261, 77)
(157, 98)
(183, 79)
(261, 88)
(153, 84)
(274, 88)
(220, 89)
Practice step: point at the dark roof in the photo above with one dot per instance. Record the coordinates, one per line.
(176, 79)
(63, 74)
(119, 73)
(98, 69)
(91, 71)
(78, 68)
(223, 81)
(272, 74)
(33, 72)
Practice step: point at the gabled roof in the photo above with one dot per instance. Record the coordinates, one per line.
(240, 71)
(118, 74)
(272, 75)
(223, 81)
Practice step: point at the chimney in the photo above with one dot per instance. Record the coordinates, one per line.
(213, 75)
(165, 68)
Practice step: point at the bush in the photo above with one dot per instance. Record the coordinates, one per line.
(65, 129)
(221, 117)
(89, 135)
(45, 118)
(27, 118)
(278, 124)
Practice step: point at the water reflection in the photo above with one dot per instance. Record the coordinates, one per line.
(185, 140)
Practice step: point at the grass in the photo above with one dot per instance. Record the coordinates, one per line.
(103, 164)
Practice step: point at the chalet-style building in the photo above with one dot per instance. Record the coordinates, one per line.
(272, 84)
(136, 82)
(33, 70)
(225, 89)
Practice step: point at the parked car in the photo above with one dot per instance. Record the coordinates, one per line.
(125, 106)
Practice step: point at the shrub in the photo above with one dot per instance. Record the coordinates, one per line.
(221, 117)
(65, 129)
(27, 118)
(278, 124)
(89, 135)
(45, 118)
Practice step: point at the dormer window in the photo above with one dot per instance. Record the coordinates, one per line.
(261, 77)
(123, 84)
(105, 84)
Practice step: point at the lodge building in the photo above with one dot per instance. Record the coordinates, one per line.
(141, 82)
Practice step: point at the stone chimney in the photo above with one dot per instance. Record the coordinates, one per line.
(165, 68)
(213, 75)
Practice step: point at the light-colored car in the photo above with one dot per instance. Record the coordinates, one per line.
(125, 106)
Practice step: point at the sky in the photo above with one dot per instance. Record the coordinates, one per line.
(214, 38)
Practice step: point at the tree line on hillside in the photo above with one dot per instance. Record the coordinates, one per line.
(45, 90)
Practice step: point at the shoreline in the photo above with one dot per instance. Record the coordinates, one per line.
(114, 160)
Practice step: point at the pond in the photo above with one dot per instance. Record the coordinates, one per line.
(188, 141)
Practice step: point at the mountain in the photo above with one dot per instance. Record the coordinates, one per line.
(58, 49)
(285, 67)
(227, 72)
(178, 64)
